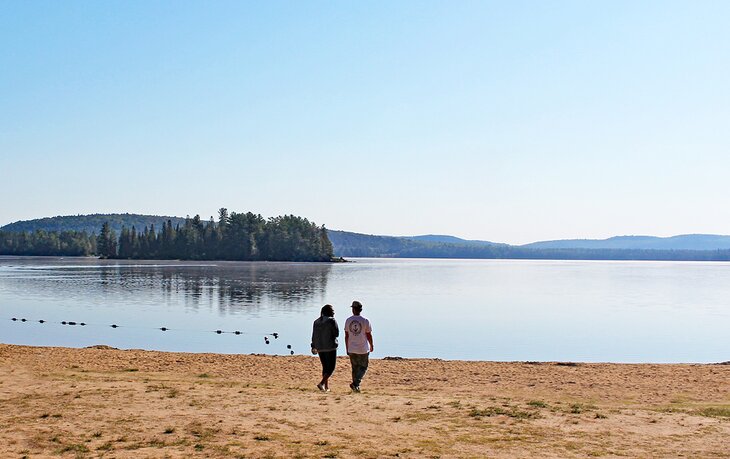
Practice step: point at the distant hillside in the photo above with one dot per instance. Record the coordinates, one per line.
(444, 239)
(681, 242)
(347, 244)
(91, 223)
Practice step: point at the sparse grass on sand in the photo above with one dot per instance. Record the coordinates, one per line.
(57, 402)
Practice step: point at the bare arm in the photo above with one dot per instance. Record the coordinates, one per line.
(369, 336)
(347, 341)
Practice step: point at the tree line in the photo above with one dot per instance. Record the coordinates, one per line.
(235, 236)
(47, 243)
(238, 236)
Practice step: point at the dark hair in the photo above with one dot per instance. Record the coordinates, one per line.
(357, 306)
(328, 310)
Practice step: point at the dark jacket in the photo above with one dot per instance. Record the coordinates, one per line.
(324, 334)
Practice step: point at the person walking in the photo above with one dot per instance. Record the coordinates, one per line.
(324, 342)
(359, 344)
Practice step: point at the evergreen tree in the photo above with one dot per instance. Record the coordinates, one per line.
(106, 242)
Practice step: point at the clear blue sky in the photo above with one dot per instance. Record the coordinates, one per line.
(506, 121)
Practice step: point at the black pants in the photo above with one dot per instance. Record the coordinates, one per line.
(329, 360)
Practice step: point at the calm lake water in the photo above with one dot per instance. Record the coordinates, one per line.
(450, 309)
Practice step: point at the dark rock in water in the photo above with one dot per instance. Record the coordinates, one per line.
(566, 364)
(102, 346)
(531, 362)
(723, 363)
(393, 358)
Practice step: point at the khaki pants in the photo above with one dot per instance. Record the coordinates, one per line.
(359, 364)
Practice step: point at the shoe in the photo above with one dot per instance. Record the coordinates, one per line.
(354, 387)
(320, 386)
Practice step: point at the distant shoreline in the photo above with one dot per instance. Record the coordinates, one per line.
(701, 256)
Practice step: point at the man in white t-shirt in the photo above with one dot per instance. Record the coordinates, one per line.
(359, 344)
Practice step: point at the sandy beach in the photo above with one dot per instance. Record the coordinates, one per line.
(100, 402)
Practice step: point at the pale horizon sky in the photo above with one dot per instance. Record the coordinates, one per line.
(504, 121)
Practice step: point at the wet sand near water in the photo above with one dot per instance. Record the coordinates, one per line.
(102, 402)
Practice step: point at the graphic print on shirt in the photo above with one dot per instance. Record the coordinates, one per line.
(355, 327)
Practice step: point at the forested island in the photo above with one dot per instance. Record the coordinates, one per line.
(234, 236)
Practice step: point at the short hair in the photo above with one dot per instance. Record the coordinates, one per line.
(328, 310)
(356, 305)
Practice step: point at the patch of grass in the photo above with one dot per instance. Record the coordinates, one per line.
(131, 370)
(197, 430)
(44, 415)
(715, 412)
(169, 430)
(322, 443)
(172, 393)
(96, 434)
(670, 410)
(74, 448)
(261, 438)
(537, 404)
(419, 416)
(156, 443)
(511, 412)
(578, 408)
(204, 375)
(601, 416)
(108, 446)
(199, 447)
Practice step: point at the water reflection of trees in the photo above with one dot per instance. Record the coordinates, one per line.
(229, 287)
(233, 287)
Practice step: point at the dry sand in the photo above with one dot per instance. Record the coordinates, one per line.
(129, 404)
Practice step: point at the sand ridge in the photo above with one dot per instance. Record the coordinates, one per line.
(99, 402)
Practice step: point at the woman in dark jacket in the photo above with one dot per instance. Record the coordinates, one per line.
(324, 342)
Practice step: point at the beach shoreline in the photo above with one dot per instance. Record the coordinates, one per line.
(105, 402)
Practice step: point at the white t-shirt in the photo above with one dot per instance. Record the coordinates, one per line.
(356, 328)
